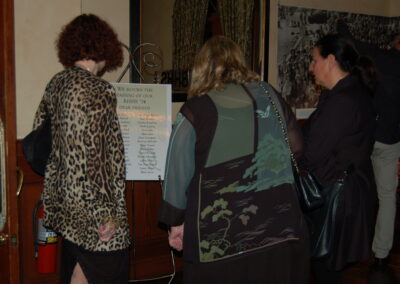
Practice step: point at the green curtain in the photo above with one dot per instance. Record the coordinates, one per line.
(189, 21)
(237, 21)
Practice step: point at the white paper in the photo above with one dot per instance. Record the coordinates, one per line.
(144, 112)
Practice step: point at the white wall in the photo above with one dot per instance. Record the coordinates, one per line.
(37, 24)
(394, 8)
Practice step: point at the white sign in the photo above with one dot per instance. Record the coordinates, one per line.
(144, 112)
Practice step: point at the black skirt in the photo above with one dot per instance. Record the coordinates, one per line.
(286, 263)
(98, 267)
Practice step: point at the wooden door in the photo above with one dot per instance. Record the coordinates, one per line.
(9, 242)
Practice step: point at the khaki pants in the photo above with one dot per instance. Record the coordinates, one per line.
(384, 160)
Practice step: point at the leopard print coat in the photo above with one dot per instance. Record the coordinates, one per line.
(85, 174)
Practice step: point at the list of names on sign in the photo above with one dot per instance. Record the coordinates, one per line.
(144, 112)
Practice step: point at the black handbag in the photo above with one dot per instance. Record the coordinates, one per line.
(37, 146)
(322, 222)
(308, 189)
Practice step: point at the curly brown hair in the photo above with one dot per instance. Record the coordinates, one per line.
(89, 37)
(218, 62)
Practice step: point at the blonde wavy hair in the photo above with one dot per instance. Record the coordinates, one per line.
(218, 62)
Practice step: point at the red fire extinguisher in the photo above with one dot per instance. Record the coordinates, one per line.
(45, 243)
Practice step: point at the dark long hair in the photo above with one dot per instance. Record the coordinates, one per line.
(348, 58)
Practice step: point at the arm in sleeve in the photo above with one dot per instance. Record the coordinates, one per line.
(117, 151)
(179, 171)
(105, 157)
(40, 114)
(324, 132)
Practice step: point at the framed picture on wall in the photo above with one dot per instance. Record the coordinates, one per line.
(299, 29)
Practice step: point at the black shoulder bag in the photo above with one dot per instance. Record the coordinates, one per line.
(37, 146)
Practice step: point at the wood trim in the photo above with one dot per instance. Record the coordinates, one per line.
(135, 35)
(267, 11)
(256, 66)
(7, 114)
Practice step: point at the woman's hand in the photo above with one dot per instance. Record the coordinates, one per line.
(175, 237)
(106, 231)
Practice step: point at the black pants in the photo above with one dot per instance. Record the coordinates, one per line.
(322, 274)
(98, 267)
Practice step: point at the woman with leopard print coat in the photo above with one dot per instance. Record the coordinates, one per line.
(84, 187)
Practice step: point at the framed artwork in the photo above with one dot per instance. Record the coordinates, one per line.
(299, 29)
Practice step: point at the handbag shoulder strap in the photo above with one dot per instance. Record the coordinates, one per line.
(279, 114)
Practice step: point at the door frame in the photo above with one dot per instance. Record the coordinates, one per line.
(9, 252)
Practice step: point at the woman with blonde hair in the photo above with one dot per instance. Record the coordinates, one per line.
(228, 193)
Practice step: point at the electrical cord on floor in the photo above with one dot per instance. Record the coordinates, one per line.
(172, 275)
